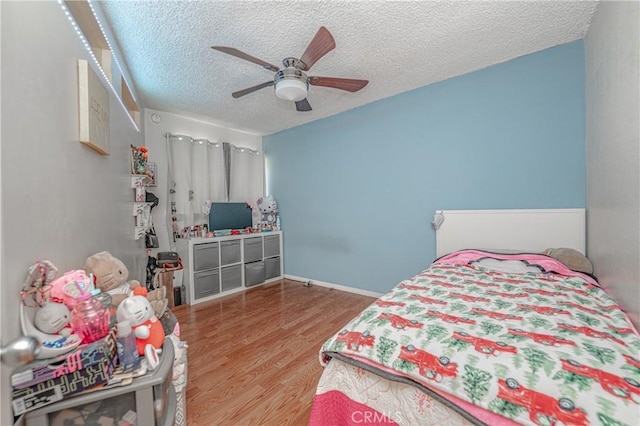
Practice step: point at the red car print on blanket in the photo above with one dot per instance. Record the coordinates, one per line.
(450, 318)
(487, 347)
(495, 315)
(511, 281)
(574, 290)
(447, 285)
(509, 295)
(631, 360)
(355, 340)
(468, 298)
(387, 303)
(582, 308)
(544, 339)
(587, 331)
(608, 308)
(430, 366)
(620, 330)
(545, 310)
(540, 405)
(543, 292)
(622, 387)
(412, 287)
(398, 322)
(428, 300)
(481, 284)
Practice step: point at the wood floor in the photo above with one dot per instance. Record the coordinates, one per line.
(253, 356)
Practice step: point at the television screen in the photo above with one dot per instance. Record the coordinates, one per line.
(229, 216)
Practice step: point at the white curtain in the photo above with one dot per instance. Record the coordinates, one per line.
(198, 173)
(246, 171)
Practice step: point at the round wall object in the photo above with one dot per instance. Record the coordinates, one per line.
(155, 117)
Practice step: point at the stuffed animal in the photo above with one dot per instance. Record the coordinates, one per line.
(145, 325)
(111, 276)
(53, 318)
(65, 288)
(268, 211)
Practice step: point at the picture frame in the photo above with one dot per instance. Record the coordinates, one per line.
(152, 173)
(93, 110)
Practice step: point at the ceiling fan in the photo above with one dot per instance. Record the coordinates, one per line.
(291, 82)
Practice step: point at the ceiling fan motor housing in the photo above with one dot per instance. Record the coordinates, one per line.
(291, 84)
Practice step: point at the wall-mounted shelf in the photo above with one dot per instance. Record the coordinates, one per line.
(84, 16)
(141, 210)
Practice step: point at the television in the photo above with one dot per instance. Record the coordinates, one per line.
(229, 216)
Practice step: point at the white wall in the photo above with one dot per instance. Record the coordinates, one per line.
(613, 150)
(197, 129)
(60, 200)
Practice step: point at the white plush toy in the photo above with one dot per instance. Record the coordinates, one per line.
(144, 323)
(53, 318)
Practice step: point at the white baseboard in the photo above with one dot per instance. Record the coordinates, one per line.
(335, 286)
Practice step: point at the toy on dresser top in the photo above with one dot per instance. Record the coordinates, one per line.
(269, 219)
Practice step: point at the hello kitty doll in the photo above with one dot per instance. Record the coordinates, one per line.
(268, 211)
(144, 323)
(53, 318)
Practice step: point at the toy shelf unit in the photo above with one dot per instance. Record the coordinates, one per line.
(223, 265)
(147, 400)
(141, 209)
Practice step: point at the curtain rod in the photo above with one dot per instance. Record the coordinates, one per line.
(215, 144)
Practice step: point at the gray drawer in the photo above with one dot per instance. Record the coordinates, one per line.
(206, 283)
(254, 273)
(231, 277)
(205, 256)
(272, 267)
(229, 252)
(252, 249)
(271, 245)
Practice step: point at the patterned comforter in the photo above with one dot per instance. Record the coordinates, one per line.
(543, 347)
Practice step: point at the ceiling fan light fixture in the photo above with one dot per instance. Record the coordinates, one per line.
(291, 89)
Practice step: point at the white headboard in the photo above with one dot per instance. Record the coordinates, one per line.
(526, 230)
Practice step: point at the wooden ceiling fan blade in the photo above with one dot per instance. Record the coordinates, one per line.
(321, 44)
(238, 54)
(348, 84)
(248, 90)
(303, 105)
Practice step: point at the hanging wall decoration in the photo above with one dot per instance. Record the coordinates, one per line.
(93, 109)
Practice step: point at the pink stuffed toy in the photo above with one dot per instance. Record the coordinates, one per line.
(63, 289)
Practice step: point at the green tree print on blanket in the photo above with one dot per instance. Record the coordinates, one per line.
(490, 328)
(457, 307)
(588, 320)
(505, 408)
(365, 316)
(438, 292)
(608, 421)
(539, 322)
(604, 355)
(537, 359)
(476, 383)
(502, 304)
(607, 406)
(435, 332)
(384, 349)
(568, 378)
(635, 371)
(414, 309)
(402, 365)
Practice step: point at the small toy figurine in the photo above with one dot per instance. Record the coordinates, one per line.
(145, 325)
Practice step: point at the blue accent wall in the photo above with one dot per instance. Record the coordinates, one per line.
(357, 191)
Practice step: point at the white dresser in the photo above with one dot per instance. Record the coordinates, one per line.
(218, 266)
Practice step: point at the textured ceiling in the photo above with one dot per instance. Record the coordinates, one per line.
(397, 46)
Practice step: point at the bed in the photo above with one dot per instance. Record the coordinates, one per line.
(482, 337)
